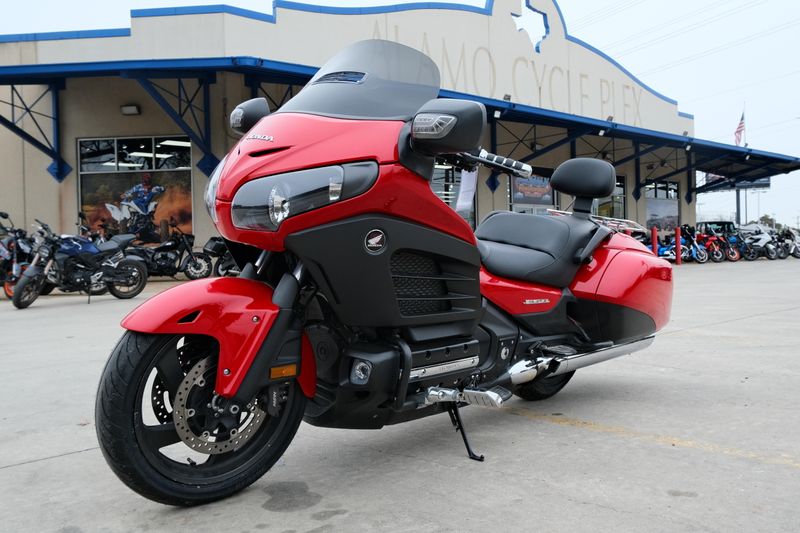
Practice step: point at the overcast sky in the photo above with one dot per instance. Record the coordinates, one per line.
(713, 56)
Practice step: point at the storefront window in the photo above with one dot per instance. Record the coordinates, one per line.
(612, 206)
(532, 195)
(137, 185)
(446, 184)
(97, 155)
(662, 205)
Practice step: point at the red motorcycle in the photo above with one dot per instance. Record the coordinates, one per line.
(363, 299)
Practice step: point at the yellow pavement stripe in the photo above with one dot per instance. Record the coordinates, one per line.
(783, 459)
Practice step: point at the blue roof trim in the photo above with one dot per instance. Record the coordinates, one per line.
(685, 115)
(59, 35)
(604, 124)
(303, 6)
(255, 64)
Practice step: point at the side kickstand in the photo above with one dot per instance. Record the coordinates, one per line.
(455, 418)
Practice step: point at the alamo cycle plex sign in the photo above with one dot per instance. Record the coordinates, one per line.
(523, 50)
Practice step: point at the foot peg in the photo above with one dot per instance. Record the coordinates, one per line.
(484, 398)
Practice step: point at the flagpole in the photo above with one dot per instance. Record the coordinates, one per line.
(744, 110)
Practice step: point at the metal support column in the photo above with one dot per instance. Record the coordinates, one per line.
(200, 134)
(49, 145)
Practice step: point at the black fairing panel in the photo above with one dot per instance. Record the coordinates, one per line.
(419, 277)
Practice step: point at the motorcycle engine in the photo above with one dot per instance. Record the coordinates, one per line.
(165, 260)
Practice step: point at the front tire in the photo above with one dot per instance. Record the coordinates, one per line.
(26, 291)
(143, 376)
(543, 388)
(733, 254)
(135, 274)
(717, 255)
(701, 255)
(198, 267)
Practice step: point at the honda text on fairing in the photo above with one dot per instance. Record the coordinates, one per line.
(364, 300)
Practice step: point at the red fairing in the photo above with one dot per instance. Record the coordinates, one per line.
(518, 297)
(237, 312)
(397, 192)
(625, 272)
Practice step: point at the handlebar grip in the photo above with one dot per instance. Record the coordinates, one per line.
(506, 164)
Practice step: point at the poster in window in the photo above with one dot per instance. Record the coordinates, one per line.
(534, 190)
(662, 213)
(142, 203)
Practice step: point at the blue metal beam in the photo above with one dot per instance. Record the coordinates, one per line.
(639, 153)
(202, 140)
(58, 168)
(571, 136)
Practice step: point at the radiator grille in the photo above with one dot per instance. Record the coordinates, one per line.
(419, 286)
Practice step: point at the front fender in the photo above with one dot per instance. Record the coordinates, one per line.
(237, 312)
(33, 271)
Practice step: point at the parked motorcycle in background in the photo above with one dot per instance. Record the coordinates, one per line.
(694, 250)
(761, 244)
(792, 240)
(15, 254)
(74, 263)
(224, 265)
(173, 256)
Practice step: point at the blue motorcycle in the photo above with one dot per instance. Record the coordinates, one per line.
(74, 263)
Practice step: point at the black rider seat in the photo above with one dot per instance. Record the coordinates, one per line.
(124, 239)
(535, 248)
(549, 249)
(108, 246)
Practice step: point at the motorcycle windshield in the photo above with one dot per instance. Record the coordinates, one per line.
(369, 80)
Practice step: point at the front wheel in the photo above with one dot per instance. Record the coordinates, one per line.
(751, 254)
(199, 266)
(26, 291)
(717, 255)
(543, 387)
(770, 252)
(733, 254)
(701, 255)
(782, 252)
(129, 279)
(156, 423)
(796, 252)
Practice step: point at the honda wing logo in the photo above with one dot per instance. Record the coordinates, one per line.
(375, 241)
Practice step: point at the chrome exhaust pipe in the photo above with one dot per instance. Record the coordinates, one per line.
(568, 363)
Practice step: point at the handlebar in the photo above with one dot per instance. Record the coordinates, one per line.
(494, 161)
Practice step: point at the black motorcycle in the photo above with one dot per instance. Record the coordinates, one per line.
(73, 263)
(225, 264)
(173, 256)
(16, 252)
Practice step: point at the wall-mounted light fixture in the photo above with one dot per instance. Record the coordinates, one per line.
(610, 118)
(601, 132)
(130, 109)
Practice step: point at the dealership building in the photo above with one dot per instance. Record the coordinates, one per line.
(92, 120)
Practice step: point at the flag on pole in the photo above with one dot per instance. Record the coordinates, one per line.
(737, 135)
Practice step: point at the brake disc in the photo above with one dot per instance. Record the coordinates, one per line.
(198, 428)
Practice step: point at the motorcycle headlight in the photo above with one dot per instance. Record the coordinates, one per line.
(211, 190)
(263, 203)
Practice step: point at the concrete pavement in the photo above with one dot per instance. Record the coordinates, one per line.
(698, 433)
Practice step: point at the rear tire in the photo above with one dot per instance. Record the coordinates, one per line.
(137, 271)
(26, 291)
(123, 435)
(543, 388)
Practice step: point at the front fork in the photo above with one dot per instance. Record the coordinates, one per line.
(281, 354)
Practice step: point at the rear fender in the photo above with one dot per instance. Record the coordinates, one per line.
(237, 312)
